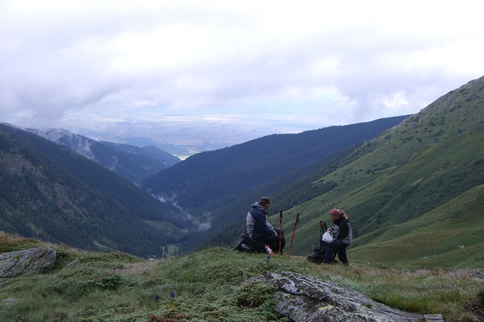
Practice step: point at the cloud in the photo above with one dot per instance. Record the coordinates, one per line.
(309, 64)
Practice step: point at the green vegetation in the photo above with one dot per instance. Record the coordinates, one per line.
(414, 201)
(51, 193)
(214, 186)
(413, 194)
(208, 177)
(211, 285)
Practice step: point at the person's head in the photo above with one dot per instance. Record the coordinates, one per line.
(336, 213)
(265, 202)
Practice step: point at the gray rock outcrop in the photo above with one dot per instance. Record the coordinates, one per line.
(479, 273)
(26, 262)
(303, 298)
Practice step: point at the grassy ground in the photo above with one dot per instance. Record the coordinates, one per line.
(211, 286)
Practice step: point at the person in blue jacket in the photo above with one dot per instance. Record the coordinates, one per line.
(260, 229)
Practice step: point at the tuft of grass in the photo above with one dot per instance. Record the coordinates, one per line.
(215, 284)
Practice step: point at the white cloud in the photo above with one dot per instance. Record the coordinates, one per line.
(308, 64)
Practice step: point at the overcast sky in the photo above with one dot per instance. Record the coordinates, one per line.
(272, 65)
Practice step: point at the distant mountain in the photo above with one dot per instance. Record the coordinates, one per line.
(204, 184)
(130, 162)
(149, 151)
(49, 192)
(173, 149)
(225, 173)
(414, 194)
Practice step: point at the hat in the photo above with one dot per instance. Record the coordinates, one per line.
(335, 213)
(264, 201)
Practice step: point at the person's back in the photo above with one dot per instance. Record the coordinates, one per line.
(257, 224)
(260, 229)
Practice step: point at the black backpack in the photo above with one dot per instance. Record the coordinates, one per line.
(317, 255)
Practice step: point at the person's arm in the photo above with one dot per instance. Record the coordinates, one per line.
(261, 223)
(343, 230)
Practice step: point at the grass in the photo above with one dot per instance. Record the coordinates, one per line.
(394, 203)
(409, 174)
(214, 285)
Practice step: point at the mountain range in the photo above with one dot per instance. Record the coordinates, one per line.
(412, 186)
(81, 163)
(49, 192)
(131, 162)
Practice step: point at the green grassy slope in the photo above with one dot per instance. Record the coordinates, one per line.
(451, 235)
(207, 286)
(405, 173)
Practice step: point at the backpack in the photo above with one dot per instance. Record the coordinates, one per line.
(317, 255)
(247, 244)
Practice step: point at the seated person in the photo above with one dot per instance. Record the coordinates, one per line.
(260, 229)
(342, 237)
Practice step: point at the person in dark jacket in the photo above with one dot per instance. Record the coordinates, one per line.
(342, 237)
(260, 229)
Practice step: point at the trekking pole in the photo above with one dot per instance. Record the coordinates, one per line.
(280, 232)
(320, 233)
(293, 233)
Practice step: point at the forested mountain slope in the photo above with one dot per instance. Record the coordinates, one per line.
(130, 162)
(224, 174)
(51, 193)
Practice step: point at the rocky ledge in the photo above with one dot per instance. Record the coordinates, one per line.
(26, 262)
(303, 298)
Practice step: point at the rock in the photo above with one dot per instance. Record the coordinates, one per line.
(74, 262)
(479, 273)
(26, 262)
(433, 318)
(303, 298)
(9, 300)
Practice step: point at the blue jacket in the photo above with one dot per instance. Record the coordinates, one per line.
(257, 224)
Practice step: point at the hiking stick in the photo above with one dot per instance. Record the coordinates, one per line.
(280, 232)
(293, 233)
(320, 234)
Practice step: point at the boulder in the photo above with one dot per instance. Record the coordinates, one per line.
(26, 262)
(303, 298)
(479, 273)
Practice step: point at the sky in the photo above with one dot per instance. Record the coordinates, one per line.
(229, 70)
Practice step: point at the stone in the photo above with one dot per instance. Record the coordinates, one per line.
(433, 318)
(303, 298)
(73, 263)
(479, 273)
(26, 262)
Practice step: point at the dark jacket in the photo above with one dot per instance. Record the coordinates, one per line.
(257, 225)
(342, 230)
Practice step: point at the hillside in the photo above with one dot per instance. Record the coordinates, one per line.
(131, 162)
(399, 188)
(49, 192)
(286, 191)
(221, 176)
(214, 284)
